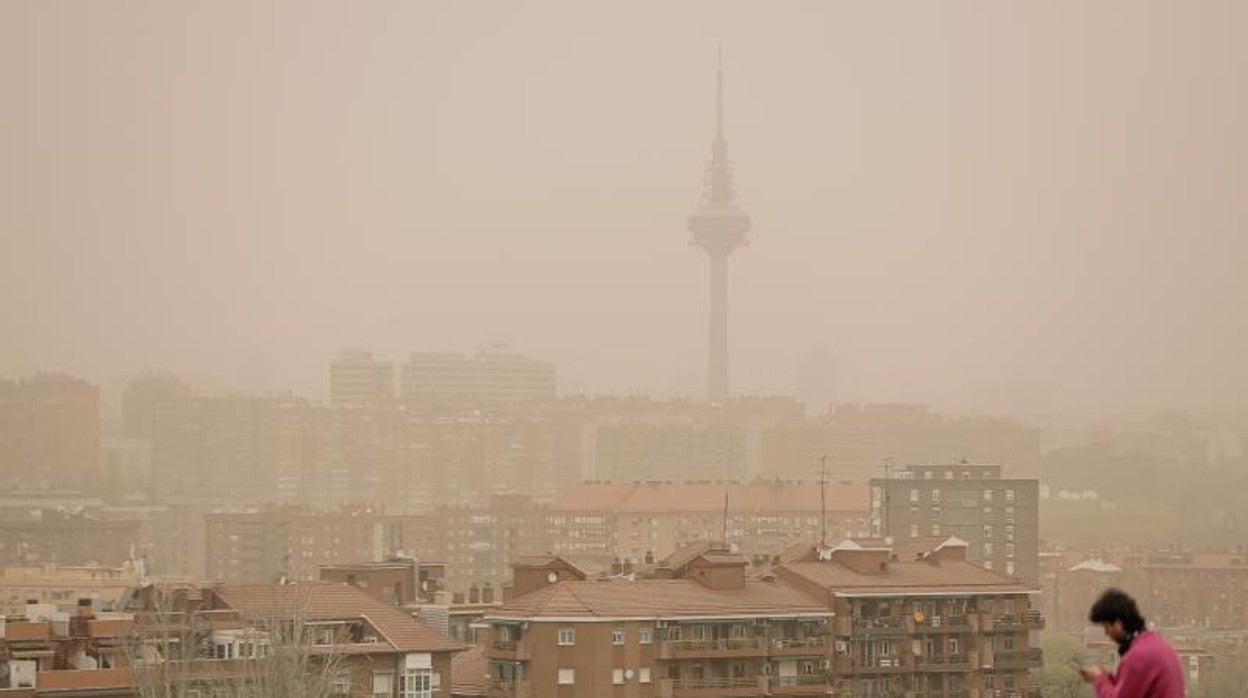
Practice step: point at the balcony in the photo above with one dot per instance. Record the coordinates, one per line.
(509, 688)
(1010, 660)
(724, 648)
(846, 666)
(802, 685)
(943, 624)
(1033, 620)
(509, 650)
(944, 663)
(883, 626)
(799, 646)
(712, 687)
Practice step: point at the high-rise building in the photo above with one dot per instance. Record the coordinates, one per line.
(488, 377)
(718, 227)
(356, 377)
(998, 517)
(49, 429)
(143, 399)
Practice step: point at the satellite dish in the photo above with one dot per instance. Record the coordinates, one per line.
(918, 616)
(552, 577)
(628, 674)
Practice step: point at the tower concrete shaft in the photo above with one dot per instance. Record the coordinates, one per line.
(717, 347)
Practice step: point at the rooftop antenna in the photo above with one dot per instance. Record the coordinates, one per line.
(888, 475)
(823, 501)
(725, 538)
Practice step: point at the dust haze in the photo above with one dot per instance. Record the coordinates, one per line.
(1035, 209)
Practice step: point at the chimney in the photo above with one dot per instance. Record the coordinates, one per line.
(649, 557)
(628, 566)
(84, 609)
(474, 594)
(487, 594)
(616, 568)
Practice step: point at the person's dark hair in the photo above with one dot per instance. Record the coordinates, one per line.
(1114, 605)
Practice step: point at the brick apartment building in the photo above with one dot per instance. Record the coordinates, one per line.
(853, 620)
(999, 517)
(47, 536)
(595, 524)
(268, 543)
(1175, 589)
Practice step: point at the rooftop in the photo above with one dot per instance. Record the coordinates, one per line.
(667, 497)
(657, 598)
(324, 601)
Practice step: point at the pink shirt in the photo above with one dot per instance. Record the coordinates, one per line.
(1149, 669)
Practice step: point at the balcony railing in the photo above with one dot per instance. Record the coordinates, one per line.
(798, 645)
(1030, 658)
(948, 662)
(723, 647)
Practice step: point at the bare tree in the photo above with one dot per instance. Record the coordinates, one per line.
(181, 652)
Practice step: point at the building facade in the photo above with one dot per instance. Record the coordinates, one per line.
(998, 517)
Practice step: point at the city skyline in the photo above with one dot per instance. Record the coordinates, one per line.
(986, 235)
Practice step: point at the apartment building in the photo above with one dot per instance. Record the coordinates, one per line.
(269, 543)
(1175, 589)
(933, 625)
(597, 523)
(59, 586)
(59, 537)
(485, 378)
(49, 430)
(356, 377)
(854, 619)
(998, 517)
(713, 632)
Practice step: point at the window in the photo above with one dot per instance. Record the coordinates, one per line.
(340, 686)
(567, 677)
(987, 495)
(617, 636)
(953, 645)
(914, 495)
(935, 496)
(383, 685)
(1007, 642)
(645, 636)
(567, 636)
(617, 676)
(643, 675)
(416, 683)
(1009, 567)
(988, 531)
(914, 530)
(935, 529)
(987, 549)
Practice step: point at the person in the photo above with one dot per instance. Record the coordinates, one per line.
(1148, 666)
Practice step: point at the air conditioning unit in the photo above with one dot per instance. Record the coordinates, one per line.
(825, 664)
(369, 639)
(842, 646)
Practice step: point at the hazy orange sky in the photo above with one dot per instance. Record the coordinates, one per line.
(1027, 206)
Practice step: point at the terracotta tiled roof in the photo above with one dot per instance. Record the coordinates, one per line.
(469, 673)
(663, 497)
(908, 576)
(656, 598)
(323, 601)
